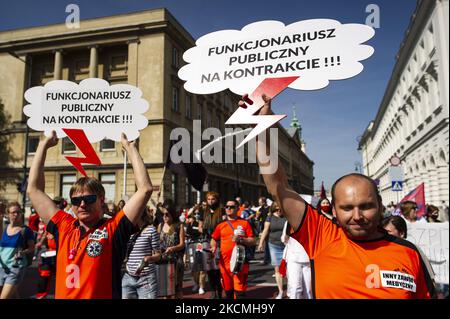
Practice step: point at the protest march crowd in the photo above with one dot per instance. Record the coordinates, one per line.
(350, 247)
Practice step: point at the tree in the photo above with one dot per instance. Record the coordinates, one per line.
(5, 150)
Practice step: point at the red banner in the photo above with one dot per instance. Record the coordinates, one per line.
(417, 195)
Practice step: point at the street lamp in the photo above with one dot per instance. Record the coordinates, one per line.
(358, 167)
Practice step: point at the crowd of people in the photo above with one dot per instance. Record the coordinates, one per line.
(168, 240)
(99, 250)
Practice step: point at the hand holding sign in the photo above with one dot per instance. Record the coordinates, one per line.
(87, 112)
(268, 56)
(51, 140)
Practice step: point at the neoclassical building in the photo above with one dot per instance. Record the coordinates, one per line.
(143, 49)
(413, 119)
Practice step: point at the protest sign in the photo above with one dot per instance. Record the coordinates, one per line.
(268, 56)
(433, 240)
(86, 112)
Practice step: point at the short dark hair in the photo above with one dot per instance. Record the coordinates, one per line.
(431, 209)
(232, 200)
(367, 178)
(398, 222)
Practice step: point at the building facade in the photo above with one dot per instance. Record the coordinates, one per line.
(413, 119)
(143, 49)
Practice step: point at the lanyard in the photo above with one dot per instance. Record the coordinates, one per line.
(73, 251)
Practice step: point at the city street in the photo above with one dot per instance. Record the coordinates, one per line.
(261, 283)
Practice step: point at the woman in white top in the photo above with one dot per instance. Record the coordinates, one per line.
(298, 269)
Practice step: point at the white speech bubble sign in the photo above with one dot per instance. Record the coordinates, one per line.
(101, 110)
(316, 50)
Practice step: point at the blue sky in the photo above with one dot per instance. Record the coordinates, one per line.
(332, 118)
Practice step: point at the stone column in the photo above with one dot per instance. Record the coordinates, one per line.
(93, 62)
(433, 187)
(133, 62)
(57, 71)
(442, 177)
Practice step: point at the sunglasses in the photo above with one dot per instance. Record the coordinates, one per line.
(276, 209)
(230, 207)
(88, 199)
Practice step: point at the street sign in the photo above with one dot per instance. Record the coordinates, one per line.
(397, 186)
(395, 160)
(396, 173)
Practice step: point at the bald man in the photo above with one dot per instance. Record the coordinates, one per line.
(351, 256)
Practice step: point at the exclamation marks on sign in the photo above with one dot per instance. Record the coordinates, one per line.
(127, 118)
(332, 61)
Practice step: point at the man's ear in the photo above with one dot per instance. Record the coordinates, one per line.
(333, 211)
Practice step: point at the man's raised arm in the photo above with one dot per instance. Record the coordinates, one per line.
(136, 204)
(43, 204)
(292, 205)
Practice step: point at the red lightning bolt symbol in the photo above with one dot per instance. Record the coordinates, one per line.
(271, 87)
(78, 137)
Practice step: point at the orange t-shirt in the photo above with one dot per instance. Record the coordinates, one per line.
(388, 268)
(94, 270)
(224, 233)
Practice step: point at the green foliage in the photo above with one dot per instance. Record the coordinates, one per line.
(5, 150)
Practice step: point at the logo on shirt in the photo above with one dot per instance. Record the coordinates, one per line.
(98, 234)
(396, 279)
(94, 249)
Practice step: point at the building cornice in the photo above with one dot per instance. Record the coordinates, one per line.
(419, 19)
(426, 137)
(101, 32)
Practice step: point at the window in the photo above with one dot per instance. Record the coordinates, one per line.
(66, 184)
(188, 107)
(174, 187)
(218, 121)
(175, 99)
(33, 142)
(107, 145)
(208, 118)
(108, 181)
(188, 189)
(175, 58)
(200, 111)
(68, 146)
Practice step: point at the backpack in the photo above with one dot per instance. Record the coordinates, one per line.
(28, 257)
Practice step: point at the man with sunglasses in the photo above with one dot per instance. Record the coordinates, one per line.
(90, 249)
(366, 261)
(231, 232)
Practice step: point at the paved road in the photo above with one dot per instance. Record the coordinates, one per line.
(261, 283)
